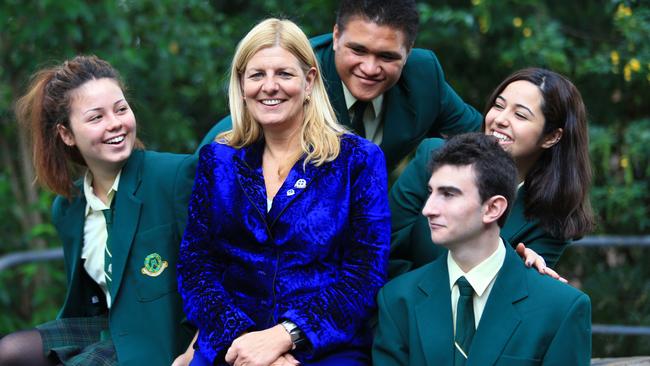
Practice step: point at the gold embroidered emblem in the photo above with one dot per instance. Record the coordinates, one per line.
(154, 265)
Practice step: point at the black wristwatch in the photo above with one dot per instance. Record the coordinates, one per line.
(297, 336)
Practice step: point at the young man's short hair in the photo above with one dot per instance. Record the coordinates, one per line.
(494, 168)
(398, 14)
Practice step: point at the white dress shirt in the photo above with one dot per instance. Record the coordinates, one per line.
(95, 234)
(371, 116)
(480, 277)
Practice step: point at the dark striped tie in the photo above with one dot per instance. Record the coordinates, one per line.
(108, 256)
(464, 322)
(357, 118)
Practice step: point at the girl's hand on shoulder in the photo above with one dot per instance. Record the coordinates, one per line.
(532, 259)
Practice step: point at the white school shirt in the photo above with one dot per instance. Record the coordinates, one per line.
(95, 234)
(371, 116)
(481, 278)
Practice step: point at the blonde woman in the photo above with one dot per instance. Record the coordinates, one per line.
(289, 228)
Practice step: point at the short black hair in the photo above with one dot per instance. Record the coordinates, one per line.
(494, 168)
(398, 14)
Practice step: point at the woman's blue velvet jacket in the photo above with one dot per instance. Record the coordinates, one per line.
(317, 258)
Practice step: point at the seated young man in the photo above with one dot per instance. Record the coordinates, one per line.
(478, 304)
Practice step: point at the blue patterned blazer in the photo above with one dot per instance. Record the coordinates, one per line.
(317, 258)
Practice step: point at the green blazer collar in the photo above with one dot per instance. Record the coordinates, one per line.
(517, 221)
(499, 320)
(400, 120)
(72, 226)
(433, 315)
(127, 209)
(500, 317)
(323, 46)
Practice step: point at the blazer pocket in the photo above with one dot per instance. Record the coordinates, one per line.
(153, 259)
(505, 360)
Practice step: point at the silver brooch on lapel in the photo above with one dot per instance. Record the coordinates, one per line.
(300, 183)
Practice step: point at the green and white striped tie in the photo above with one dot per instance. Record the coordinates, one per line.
(108, 256)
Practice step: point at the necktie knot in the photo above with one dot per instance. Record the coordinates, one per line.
(359, 107)
(464, 287)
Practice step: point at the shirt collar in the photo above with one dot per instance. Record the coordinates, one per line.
(481, 275)
(350, 100)
(93, 203)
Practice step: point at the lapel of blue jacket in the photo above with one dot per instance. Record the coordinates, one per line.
(500, 317)
(127, 216)
(248, 167)
(248, 171)
(433, 315)
(297, 184)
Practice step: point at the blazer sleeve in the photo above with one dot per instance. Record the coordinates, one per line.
(572, 342)
(58, 211)
(331, 317)
(206, 303)
(224, 124)
(389, 347)
(407, 197)
(549, 247)
(520, 229)
(183, 189)
(455, 115)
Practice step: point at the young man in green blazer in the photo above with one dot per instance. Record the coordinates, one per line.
(379, 85)
(411, 245)
(510, 314)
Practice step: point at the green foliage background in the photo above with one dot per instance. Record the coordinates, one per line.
(174, 56)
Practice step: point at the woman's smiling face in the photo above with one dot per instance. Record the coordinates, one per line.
(275, 87)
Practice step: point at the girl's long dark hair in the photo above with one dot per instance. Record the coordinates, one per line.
(557, 186)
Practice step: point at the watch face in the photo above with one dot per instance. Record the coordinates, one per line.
(295, 337)
(294, 332)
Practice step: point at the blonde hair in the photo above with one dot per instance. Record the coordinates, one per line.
(320, 132)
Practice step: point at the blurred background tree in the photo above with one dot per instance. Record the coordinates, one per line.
(174, 56)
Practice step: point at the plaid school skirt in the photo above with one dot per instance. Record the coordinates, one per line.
(78, 341)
